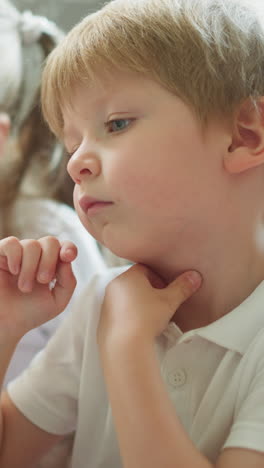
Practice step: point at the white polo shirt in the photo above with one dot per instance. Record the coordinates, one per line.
(214, 376)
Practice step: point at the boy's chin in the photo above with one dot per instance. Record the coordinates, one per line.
(133, 250)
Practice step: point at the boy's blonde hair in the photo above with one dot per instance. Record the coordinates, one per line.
(210, 53)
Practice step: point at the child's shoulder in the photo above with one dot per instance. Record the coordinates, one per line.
(89, 303)
(93, 293)
(83, 318)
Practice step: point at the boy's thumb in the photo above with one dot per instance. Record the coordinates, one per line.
(65, 285)
(183, 287)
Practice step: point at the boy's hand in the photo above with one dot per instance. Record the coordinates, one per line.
(27, 268)
(138, 304)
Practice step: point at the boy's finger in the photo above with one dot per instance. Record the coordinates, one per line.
(140, 271)
(65, 285)
(68, 251)
(11, 249)
(155, 280)
(181, 289)
(30, 261)
(50, 251)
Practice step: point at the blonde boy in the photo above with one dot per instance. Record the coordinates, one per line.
(160, 103)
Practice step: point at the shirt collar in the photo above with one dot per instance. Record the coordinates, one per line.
(234, 331)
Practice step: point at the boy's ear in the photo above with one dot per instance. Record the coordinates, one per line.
(4, 131)
(247, 148)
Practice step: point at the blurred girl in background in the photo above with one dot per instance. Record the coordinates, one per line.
(35, 192)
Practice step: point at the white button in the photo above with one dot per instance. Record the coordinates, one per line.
(177, 378)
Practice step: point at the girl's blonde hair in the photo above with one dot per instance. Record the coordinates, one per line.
(34, 163)
(210, 53)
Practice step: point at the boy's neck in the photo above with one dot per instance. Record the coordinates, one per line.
(229, 275)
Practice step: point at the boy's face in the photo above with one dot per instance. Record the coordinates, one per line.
(141, 152)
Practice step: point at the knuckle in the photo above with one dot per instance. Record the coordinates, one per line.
(51, 241)
(11, 241)
(32, 244)
(10, 247)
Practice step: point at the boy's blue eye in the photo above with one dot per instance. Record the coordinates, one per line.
(117, 125)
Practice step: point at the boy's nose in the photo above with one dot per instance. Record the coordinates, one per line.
(83, 165)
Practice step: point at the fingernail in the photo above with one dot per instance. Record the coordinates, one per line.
(194, 278)
(44, 276)
(15, 270)
(69, 252)
(26, 286)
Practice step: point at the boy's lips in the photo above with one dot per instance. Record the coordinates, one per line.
(91, 205)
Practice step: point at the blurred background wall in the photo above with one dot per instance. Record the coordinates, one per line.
(65, 13)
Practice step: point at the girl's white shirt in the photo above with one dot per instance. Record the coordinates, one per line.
(34, 218)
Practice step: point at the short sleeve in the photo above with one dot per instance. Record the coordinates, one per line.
(47, 392)
(248, 427)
